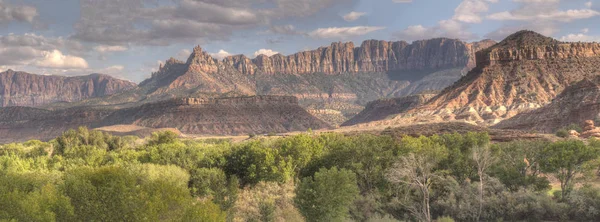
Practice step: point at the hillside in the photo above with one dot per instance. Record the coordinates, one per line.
(523, 72)
(25, 89)
(224, 116)
(576, 104)
(383, 108)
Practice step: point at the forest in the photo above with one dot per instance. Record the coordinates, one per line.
(87, 175)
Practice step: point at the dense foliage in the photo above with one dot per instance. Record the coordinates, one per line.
(87, 175)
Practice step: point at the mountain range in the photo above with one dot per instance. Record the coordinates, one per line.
(435, 80)
(339, 77)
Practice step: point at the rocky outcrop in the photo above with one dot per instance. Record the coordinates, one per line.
(578, 103)
(25, 89)
(523, 72)
(383, 108)
(590, 130)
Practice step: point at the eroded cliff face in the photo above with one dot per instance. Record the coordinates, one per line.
(523, 72)
(576, 104)
(24, 89)
(370, 56)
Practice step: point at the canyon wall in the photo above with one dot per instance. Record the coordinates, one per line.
(370, 56)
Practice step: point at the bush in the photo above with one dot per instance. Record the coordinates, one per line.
(327, 196)
(563, 133)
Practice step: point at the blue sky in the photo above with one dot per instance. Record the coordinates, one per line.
(129, 38)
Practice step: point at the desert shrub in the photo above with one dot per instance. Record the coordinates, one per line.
(584, 204)
(562, 133)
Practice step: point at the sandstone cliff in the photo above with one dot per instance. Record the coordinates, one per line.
(523, 72)
(370, 56)
(576, 104)
(24, 89)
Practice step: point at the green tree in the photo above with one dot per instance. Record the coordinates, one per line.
(566, 159)
(519, 165)
(131, 193)
(163, 137)
(33, 196)
(327, 196)
(254, 161)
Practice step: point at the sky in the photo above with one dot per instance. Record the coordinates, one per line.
(128, 39)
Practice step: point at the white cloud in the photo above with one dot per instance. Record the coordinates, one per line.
(353, 16)
(343, 32)
(402, 1)
(110, 48)
(56, 59)
(580, 37)
(543, 10)
(267, 52)
(588, 4)
(559, 16)
(220, 55)
(469, 10)
(445, 28)
(543, 16)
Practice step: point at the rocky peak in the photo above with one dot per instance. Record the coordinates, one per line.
(201, 61)
(526, 38)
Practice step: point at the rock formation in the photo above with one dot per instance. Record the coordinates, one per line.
(24, 89)
(589, 130)
(523, 72)
(576, 104)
